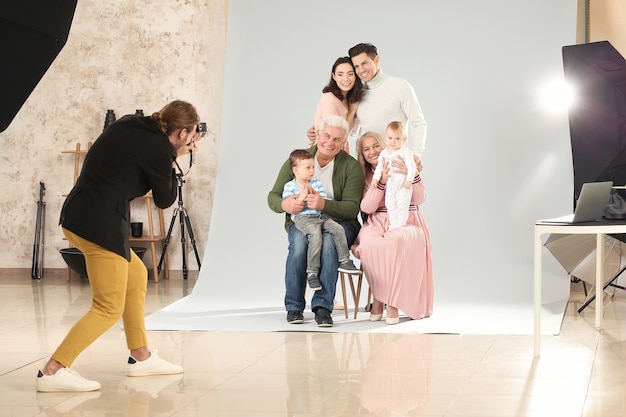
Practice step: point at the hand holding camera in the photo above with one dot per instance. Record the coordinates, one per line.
(190, 147)
(201, 132)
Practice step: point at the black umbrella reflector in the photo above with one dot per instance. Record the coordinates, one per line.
(598, 119)
(32, 33)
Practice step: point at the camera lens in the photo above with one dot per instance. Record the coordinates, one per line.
(201, 128)
(109, 118)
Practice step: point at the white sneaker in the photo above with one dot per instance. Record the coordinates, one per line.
(65, 379)
(152, 366)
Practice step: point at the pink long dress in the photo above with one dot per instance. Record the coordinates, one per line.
(397, 264)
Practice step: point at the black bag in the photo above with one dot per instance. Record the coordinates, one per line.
(615, 209)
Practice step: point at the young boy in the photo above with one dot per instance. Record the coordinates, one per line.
(313, 222)
(399, 186)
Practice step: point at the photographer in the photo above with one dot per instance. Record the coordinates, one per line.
(133, 156)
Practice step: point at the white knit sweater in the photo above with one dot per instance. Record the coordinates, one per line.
(389, 99)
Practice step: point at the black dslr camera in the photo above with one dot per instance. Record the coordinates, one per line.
(201, 128)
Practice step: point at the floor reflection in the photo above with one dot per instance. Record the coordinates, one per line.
(318, 382)
(397, 379)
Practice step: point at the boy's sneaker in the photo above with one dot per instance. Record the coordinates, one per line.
(314, 282)
(65, 380)
(152, 366)
(349, 268)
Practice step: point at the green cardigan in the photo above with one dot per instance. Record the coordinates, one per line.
(348, 183)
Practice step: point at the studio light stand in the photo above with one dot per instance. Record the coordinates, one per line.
(40, 228)
(181, 212)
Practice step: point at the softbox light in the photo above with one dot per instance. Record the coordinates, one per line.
(598, 119)
(32, 34)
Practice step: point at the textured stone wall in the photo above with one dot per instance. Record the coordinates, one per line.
(122, 56)
(606, 22)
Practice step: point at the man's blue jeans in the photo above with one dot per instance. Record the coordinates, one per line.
(295, 269)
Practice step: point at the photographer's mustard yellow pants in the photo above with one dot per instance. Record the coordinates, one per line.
(118, 289)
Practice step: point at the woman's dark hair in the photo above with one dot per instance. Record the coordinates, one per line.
(176, 115)
(355, 94)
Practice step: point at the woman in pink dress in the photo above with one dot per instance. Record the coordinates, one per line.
(396, 263)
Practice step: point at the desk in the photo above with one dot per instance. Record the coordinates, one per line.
(598, 228)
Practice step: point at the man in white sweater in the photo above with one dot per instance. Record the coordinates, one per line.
(386, 99)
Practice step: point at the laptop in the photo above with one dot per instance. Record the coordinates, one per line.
(590, 206)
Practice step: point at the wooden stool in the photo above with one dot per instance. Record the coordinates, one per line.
(356, 294)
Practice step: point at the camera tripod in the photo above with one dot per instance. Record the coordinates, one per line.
(181, 212)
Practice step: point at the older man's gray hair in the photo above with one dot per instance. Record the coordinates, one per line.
(335, 121)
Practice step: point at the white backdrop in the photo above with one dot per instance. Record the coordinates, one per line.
(495, 160)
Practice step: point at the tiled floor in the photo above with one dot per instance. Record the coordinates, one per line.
(580, 373)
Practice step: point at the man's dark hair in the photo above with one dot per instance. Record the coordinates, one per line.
(358, 49)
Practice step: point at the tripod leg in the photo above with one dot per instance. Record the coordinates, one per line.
(593, 297)
(42, 230)
(193, 239)
(167, 239)
(35, 265)
(182, 241)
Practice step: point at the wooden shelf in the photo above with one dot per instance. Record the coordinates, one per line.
(156, 238)
(152, 238)
(78, 152)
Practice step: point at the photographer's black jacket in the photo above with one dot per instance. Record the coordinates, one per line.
(131, 157)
